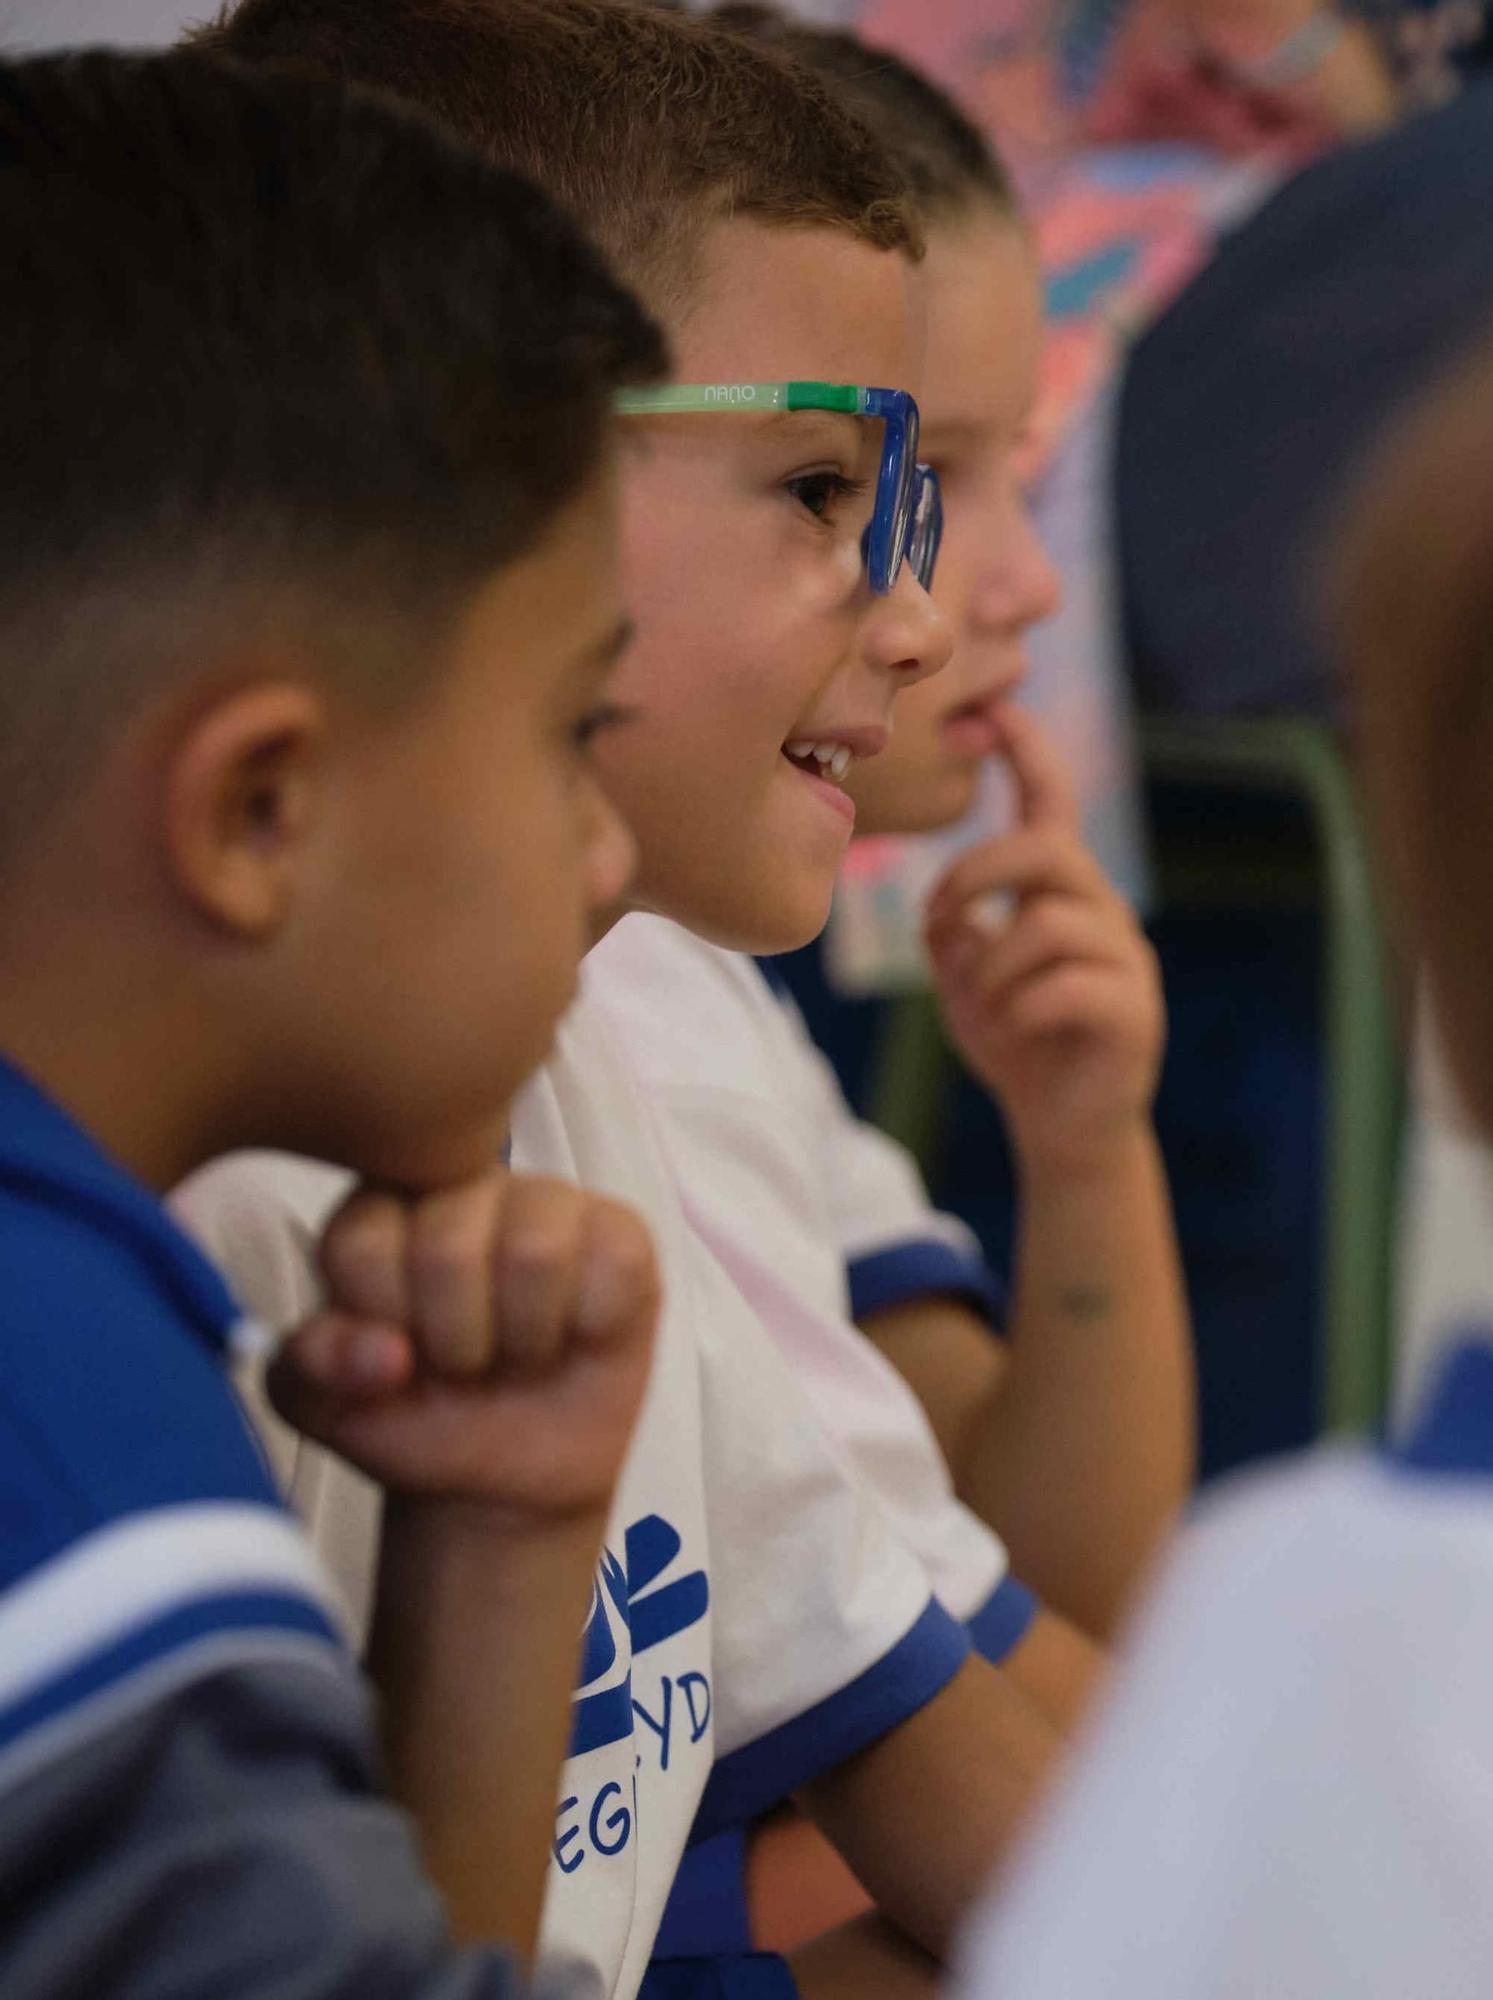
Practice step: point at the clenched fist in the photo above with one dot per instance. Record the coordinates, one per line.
(491, 1342)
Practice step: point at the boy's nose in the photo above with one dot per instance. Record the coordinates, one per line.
(1021, 590)
(611, 855)
(909, 636)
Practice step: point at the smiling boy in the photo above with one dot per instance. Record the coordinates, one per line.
(1075, 1439)
(1072, 1441)
(757, 1629)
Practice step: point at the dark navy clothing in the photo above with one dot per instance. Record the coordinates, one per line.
(1248, 407)
(187, 1789)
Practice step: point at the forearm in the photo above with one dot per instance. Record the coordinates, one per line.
(866, 1957)
(1084, 1453)
(926, 1814)
(474, 1650)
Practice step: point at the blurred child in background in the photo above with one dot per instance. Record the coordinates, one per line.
(1292, 1790)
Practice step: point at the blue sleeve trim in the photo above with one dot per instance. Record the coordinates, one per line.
(916, 1269)
(761, 1774)
(754, 1975)
(243, 1612)
(1453, 1431)
(1002, 1621)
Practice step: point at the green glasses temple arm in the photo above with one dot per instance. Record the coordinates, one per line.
(680, 398)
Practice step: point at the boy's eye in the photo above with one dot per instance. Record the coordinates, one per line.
(822, 492)
(596, 721)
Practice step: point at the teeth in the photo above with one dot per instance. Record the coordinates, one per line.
(833, 759)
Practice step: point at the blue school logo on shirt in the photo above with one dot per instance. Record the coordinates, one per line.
(651, 1606)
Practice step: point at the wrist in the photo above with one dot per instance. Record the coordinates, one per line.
(489, 1569)
(1106, 1154)
(431, 1532)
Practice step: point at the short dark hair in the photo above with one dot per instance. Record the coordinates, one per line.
(649, 125)
(266, 342)
(950, 166)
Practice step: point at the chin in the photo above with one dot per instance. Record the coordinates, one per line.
(927, 805)
(764, 924)
(443, 1163)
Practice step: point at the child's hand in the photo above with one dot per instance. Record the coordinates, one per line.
(1057, 1008)
(491, 1341)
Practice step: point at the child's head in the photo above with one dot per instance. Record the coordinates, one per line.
(767, 227)
(308, 597)
(981, 294)
(1418, 619)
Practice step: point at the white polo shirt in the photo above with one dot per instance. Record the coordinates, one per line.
(815, 1215)
(1289, 1794)
(755, 1620)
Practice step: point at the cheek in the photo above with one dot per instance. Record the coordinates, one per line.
(958, 567)
(517, 861)
(916, 721)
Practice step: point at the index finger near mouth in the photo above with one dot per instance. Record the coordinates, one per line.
(1033, 857)
(1045, 795)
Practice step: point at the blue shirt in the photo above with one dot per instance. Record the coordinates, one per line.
(187, 1797)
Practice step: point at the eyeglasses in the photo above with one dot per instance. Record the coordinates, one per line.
(907, 516)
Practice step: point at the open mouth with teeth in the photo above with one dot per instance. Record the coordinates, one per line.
(820, 760)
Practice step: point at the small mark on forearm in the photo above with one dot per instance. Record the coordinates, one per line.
(1085, 1302)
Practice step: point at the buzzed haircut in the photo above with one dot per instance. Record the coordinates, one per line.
(1416, 597)
(647, 124)
(951, 169)
(274, 357)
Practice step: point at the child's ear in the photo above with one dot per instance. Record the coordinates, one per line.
(241, 800)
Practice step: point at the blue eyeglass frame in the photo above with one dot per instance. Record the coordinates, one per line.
(926, 534)
(901, 483)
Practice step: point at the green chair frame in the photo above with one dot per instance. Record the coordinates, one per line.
(1364, 1062)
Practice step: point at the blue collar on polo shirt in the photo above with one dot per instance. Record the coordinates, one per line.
(45, 1157)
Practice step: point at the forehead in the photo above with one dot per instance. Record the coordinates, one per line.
(984, 325)
(790, 304)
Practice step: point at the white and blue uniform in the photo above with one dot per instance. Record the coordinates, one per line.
(187, 1800)
(756, 1621)
(818, 1217)
(895, 1245)
(1290, 1793)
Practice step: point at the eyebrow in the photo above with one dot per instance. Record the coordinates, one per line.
(780, 420)
(954, 431)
